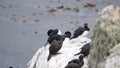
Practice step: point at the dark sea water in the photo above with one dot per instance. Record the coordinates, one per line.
(24, 24)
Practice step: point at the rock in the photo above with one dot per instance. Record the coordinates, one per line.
(113, 61)
(105, 45)
(69, 48)
(52, 10)
(89, 5)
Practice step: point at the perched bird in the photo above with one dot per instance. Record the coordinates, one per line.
(76, 63)
(54, 48)
(83, 31)
(85, 50)
(87, 29)
(67, 34)
(55, 45)
(52, 35)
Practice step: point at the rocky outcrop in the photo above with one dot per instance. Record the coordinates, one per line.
(69, 48)
(105, 46)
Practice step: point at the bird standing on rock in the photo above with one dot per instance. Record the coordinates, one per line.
(76, 63)
(52, 35)
(81, 31)
(67, 34)
(57, 43)
(85, 50)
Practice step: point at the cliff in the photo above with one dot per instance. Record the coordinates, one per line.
(105, 45)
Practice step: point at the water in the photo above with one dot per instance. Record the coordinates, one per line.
(24, 24)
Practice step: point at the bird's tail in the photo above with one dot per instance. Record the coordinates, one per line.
(48, 57)
(45, 44)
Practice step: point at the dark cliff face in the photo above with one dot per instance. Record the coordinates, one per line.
(105, 39)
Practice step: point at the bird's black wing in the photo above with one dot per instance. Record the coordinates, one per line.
(84, 50)
(73, 65)
(55, 47)
(78, 32)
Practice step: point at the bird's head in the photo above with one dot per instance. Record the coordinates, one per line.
(49, 32)
(81, 56)
(52, 31)
(86, 26)
(67, 34)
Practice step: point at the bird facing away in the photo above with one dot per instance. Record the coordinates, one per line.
(76, 63)
(81, 31)
(85, 50)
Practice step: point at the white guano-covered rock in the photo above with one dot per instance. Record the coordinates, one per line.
(69, 48)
